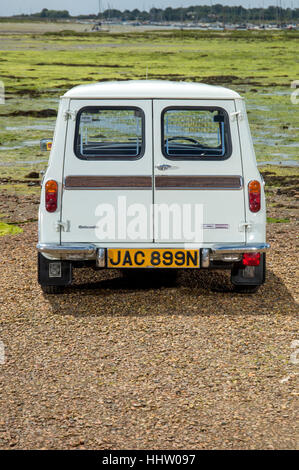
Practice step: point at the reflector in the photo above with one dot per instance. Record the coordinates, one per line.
(251, 259)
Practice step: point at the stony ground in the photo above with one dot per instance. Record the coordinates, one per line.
(121, 364)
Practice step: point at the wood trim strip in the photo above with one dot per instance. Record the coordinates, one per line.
(145, 182)
(198, 182)
(108, 182)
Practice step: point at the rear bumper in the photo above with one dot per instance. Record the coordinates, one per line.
(79, 251)
(84, 252)
(249, 248)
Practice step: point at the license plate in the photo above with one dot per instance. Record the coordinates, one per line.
(149, 258)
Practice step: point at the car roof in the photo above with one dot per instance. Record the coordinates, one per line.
(150, 89)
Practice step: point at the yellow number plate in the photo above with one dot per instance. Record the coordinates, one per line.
(148, 258)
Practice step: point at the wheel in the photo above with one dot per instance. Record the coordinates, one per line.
(246, 289)
(247, 280)
(52, 289)
(54, 275)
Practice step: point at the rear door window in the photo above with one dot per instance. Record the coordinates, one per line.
(109, 133)
(195, 133)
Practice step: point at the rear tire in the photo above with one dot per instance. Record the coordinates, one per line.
(53, 284)
(52, 289)
(246, 289)
(249, 283)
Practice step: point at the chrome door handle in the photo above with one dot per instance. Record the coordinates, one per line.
(165, 166)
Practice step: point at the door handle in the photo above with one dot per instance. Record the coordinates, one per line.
(165, 166)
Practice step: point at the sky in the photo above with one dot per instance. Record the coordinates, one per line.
(75, 7)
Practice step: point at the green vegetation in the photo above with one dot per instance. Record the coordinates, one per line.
(52, 14)
(20, 188)
(260, 65)
(275, 220)
(8, 229)
(204, 13)
(275, 171)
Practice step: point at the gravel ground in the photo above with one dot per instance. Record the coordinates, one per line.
(116, 363)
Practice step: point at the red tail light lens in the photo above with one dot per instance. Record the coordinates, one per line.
(51, 195)
(251, 259)
(254, 193)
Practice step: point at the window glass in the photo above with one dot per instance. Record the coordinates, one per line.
(195, 133)
(110, 133)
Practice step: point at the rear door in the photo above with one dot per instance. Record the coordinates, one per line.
(108, 172)
(197, 172)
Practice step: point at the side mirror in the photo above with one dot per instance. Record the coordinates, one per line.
(45, 145)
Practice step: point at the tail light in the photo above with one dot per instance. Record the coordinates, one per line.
(254, 193)
(51, 195)
(251, 259)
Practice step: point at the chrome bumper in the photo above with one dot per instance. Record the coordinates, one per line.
(89, 252)
(249, 248)
(68, 252)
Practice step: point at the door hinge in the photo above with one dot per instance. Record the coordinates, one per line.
(245, 226)
(64, 226)
(237, 116)
(70, 115)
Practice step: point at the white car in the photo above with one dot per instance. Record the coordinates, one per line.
(150, 175)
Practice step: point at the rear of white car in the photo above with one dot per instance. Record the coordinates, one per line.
(152, 175)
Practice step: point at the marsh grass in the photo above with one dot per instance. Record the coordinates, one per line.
(276, 220)
(260, 65)
(9, 229)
